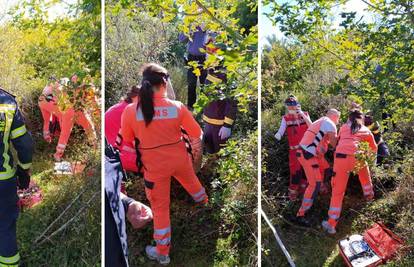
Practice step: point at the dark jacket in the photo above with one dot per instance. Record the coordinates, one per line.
(13, 130)
(116, 247)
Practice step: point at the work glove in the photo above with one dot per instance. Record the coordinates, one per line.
(224, 132)
(23, 178)
(277, 136)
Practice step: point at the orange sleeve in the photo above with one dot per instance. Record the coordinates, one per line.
(372, 143)
(189, 123)
(126, 132)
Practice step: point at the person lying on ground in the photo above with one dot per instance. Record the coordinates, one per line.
(118, 207)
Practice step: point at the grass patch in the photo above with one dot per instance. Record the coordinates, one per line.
(79, 243)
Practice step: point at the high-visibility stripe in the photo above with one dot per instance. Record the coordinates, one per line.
(10, 260)
(25, 166)
(213, 79)
(366, 187)
(199, 193)
(228, 120)
(18, 132)
(7, 174)
(164, 241)
(212, 121)
(7, 107)
(60, 147)
(334, 209)
(9, 113)
(307, 200)
(333, 216)
(203, 197)
(162, 231)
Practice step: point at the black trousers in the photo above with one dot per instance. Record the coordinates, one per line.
(8, 218)
(192, 79)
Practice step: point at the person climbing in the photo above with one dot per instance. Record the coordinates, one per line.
(196, 45)
(113, 124)
(218, 116)
(351, 135)
(48, 104)
(294, 124)
(13, 130)
(375, 128)
(154, 124)
(313, 146)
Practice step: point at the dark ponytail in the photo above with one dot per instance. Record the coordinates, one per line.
(152, 75)
(133, 92)
(146, 95)
(355, 117)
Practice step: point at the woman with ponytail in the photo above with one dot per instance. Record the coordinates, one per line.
(351, 134)
(113, 124)
(154, 124)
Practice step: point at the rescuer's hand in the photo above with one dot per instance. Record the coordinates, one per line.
(23, 178)
(224, 132)
(47, 137)
(139, 214)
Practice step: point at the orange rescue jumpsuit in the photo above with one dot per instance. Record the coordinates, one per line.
(67, 119)
(311, 156)
(344, 163)
(163, 155)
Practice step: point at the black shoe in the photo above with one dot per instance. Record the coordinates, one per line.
(302, 221)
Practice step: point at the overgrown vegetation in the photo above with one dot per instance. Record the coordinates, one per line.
(224, 233)
(328, 66)
(35, 45)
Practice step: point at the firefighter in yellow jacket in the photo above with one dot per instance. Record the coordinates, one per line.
(13, 133)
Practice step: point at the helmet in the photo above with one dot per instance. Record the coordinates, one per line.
(291, 101)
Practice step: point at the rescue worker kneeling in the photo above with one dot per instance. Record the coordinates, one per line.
(350, 135)
(313, 147)
(13, 130)
(154, 124)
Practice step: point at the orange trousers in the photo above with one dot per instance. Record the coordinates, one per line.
(160, 164)
(66, 121)
(315, 168)
(343, 165)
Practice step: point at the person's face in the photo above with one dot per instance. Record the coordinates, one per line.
(292, 109)
(335, 118)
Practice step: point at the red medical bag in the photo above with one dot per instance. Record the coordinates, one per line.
(375, 247)
(29, 197)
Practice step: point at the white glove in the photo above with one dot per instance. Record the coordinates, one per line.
(224, 132)
(277, 136)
